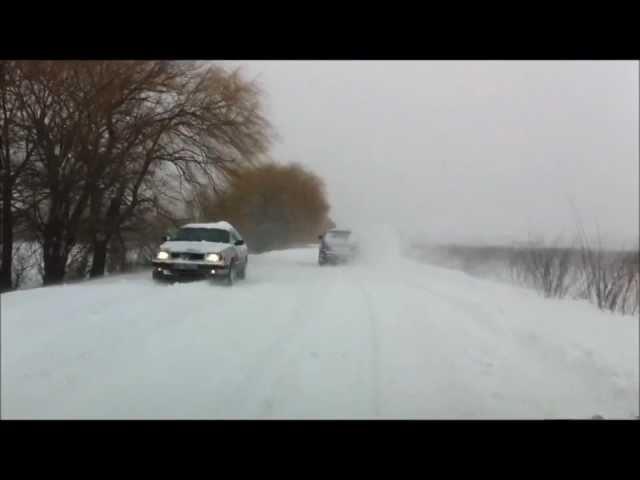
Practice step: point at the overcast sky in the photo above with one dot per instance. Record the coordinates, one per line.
(464, 151)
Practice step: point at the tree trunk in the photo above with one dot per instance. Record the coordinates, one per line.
(54, 256)
(54, 269)
(107, 228)
(99, 261)
(6, 239)
(122, 253)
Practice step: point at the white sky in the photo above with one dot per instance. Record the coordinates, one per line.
(464, 151)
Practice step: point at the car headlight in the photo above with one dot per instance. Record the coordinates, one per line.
(162, 255)
(213, 257)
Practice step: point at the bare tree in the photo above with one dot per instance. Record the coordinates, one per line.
(111, 138)
(15, 156)
(54, 123)
(183, 127)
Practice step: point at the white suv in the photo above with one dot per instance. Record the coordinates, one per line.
(213, 250)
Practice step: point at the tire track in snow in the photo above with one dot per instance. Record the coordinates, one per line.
(269, 359)
(375, 351)
(471, 309)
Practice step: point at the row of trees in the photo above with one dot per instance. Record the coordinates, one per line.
(93, 153)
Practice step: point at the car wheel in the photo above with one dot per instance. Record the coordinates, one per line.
(231, 276)
(242, 274)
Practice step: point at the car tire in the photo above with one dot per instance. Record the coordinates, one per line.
(231, 276)
(243, 273)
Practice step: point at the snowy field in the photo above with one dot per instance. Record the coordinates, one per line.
(385, 337)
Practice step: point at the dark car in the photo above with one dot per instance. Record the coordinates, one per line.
(337, 246)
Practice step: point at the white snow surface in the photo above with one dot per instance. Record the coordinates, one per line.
(218, 225)
(383, 337)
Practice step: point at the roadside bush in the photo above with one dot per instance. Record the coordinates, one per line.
(273, 206)
(610, 279)
(546, 269)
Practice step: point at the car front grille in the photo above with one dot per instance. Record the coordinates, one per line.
(187, 256)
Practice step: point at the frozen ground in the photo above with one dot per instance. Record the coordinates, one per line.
(382, 338)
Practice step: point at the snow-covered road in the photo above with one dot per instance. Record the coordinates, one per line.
(382, 338)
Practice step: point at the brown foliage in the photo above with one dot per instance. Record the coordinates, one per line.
(272, 205)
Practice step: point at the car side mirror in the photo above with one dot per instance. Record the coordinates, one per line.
(320, 237)
(239, 242)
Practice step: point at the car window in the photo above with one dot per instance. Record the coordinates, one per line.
(202, 235)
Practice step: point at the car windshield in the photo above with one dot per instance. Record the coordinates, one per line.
(201, 235)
